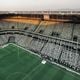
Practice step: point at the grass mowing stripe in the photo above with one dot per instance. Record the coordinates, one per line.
(7, 61)
(42, 72)
(28, 75)
(34, 73)
(50, 74)
(68, 77)
(65, 71)
(59, 75)
(15, 75)
(72, 77)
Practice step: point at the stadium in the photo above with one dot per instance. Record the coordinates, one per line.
(40, 45)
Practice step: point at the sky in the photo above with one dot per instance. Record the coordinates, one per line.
(39, 5)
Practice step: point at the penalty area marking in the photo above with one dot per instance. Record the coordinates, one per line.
(43, 62)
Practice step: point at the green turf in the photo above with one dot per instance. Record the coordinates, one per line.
(18, 64)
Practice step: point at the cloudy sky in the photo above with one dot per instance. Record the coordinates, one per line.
(23, 5)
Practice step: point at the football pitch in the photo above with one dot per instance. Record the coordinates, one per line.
(18, 64)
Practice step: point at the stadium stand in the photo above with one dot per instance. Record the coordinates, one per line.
(57, 42)
(76, 32)
(36, 45)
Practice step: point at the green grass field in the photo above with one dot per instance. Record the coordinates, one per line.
(18, 64)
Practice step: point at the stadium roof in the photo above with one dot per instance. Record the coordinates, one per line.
(61, 12)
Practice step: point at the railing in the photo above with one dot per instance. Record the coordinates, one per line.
(44, 37)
